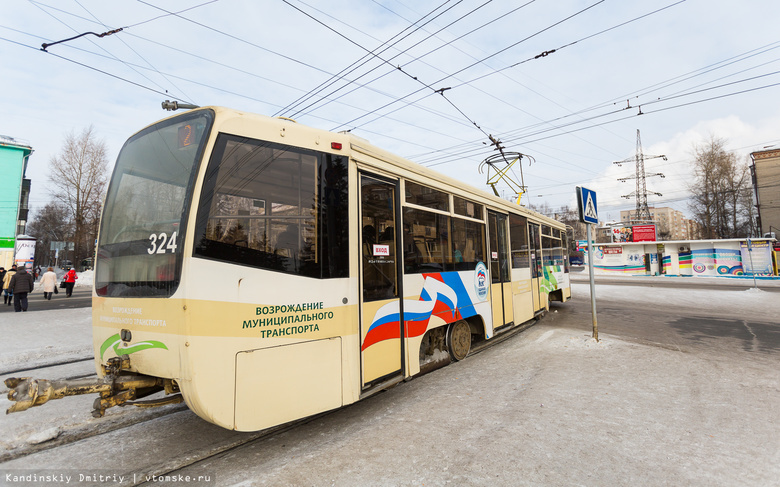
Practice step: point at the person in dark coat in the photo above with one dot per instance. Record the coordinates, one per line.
(21, 284)
(2, 277)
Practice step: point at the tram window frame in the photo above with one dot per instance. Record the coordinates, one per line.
(299, 232)
(426, 197)
(467, 208)
(518, 242)
(471, 247)
(426, 241)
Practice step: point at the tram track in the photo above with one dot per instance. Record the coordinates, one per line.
(47, 365)
(132, 428)
(69, 436)
(171, 468)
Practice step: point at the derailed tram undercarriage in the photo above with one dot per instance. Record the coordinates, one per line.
(118, 387)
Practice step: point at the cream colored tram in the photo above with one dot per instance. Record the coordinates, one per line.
(269, 271)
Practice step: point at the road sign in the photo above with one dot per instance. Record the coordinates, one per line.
(586, 199)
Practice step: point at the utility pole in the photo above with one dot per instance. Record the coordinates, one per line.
(642, 211)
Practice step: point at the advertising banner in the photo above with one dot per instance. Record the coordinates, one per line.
(25, 251)
(621, 234)
(756, 258)
(644, 233)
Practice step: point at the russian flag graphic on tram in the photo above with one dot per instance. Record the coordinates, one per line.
(443, 294)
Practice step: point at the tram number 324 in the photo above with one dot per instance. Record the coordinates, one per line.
(161, 243)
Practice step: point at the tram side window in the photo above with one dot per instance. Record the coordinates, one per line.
(467, 208)
(275, 207)
(518, 238)
(468, 244)
(552, 251)
(426, 241)
(428, 197)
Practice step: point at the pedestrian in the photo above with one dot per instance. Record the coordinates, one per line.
(70, 281)
(8, 293)
(21, 284)
(49, 283)
(2, 277)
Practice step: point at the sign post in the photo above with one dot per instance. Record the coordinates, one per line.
(586, 201)
(752, 267)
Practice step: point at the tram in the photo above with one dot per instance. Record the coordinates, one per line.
(263, 271)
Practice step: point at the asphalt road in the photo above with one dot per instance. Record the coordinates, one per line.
(81, 298)
(724, 284)
(672, 327)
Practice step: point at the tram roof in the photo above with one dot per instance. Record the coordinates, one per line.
(356, 144)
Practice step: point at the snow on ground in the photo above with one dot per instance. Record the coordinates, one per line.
(756, 303)
(42, 337)
(650, 378)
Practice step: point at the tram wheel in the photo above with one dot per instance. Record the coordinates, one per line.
(459, 340)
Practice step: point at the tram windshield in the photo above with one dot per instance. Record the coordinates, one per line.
(141, 234)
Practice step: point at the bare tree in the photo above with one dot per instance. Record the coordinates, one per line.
(79, 172)
(719, 188)
(50, 224)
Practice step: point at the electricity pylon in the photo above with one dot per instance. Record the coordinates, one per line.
(642, 211)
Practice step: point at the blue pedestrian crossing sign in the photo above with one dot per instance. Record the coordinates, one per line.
(586, 200)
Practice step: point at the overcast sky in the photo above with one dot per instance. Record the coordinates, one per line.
(693, 69)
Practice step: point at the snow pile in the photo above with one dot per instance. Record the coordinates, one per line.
(85, 279)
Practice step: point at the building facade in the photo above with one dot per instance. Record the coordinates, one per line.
(14, 197)
(766, 186)
(703, 258)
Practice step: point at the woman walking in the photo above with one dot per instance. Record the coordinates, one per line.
(49, 283)
(70, 281)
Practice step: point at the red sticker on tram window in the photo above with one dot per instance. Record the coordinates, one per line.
(381, 250)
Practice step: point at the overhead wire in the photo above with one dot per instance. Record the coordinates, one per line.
(371, 112)
(137, 53)
(94, 69)
(384, 46)
(99, 46)
(445, 44)
(415, 78)
(667, 108)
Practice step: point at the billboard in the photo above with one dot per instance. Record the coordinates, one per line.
(25, 251)
(643, 233)
(756, 258)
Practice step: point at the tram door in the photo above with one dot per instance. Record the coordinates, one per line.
(535, 237)
(501, 284)
(381, 326)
